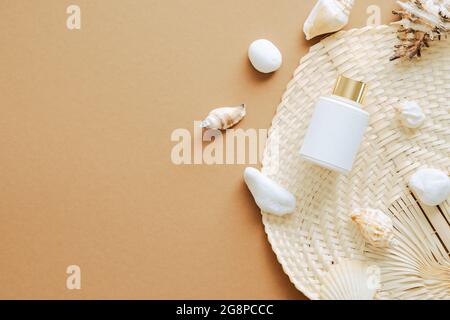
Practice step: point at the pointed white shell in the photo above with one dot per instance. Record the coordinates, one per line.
(431, 186)
(411, 114)
(376, 227)
(224, 118)
(264, 56)
(269, 196)
(327, 16)
(349, 280)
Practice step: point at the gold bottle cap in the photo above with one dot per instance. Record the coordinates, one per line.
(350, 89)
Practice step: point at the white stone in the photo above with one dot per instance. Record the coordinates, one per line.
(265, 56)
(269, 196)
(431, 186)
(411, 114)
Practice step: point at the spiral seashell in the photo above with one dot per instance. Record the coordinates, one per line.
(327, 16)
(350, 280)
(376, 227)
(224, 118)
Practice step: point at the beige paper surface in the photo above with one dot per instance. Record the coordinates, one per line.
(86, 176)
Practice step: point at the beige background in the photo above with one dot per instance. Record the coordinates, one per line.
(85, 170)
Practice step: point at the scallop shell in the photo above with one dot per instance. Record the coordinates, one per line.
(376, 227)
(327, 16)
(224, 118)
(350, 280)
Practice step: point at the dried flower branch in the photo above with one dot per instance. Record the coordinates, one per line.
(421, 21)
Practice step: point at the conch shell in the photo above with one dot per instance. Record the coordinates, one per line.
(269, 196)
(422, 21)
(350, 280)
(411, 114)
(376, 227)
(327, 16)
(431, 186)
(224, 118)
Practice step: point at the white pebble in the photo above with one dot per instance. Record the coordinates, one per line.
(411, 114)
(431, 186)
(269, 196)
(265, 56)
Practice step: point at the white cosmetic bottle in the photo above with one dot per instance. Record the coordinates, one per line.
(337, 127)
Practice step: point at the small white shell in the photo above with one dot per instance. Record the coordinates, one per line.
(327, 16)
(431, 186)
(376, 227)
(264, 56)
(224, 118)
(269, 196)
(349, 280)
(411, 114)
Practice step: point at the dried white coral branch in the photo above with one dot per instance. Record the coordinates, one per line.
(421, 21)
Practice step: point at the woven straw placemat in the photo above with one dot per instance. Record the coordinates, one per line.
(320, 234)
